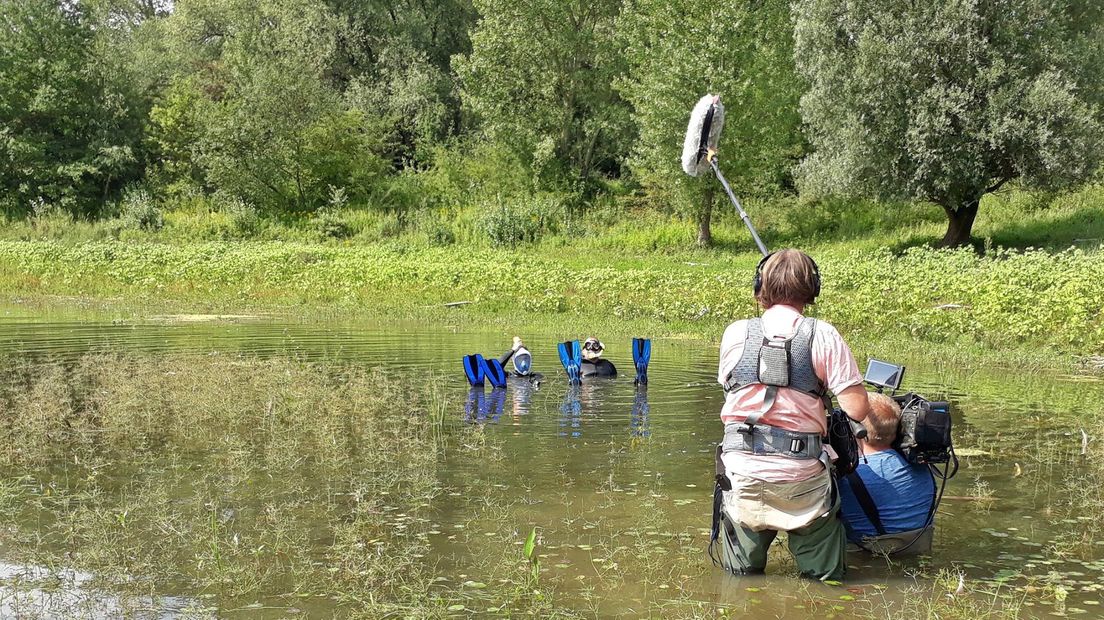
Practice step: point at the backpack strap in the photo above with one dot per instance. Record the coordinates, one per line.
(746, 370)
(866, 502)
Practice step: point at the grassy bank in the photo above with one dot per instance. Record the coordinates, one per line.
(1038, 300)
(1003, 300)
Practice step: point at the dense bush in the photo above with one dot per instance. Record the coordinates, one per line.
(139, 210)
(508, 223)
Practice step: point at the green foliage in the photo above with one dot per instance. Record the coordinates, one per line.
(139, 209)
(396, 57)
(946, 101)
(253, 113)
(1004, 299)
(677, 52)
(469, 172)
(68, 135)
(507, 224)
(539, 78)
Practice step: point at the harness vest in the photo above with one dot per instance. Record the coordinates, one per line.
(777, 363)
(786, 363)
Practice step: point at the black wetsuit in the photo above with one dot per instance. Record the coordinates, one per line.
(601, 368)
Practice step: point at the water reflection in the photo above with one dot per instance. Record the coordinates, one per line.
(590, 493)
(571, 413)
(481, 408)
(638, 419)
(522, 390)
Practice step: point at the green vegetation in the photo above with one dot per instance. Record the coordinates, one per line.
(285, 488)
(881, 285)
(947, 101)
(487, 120)
(234, 478)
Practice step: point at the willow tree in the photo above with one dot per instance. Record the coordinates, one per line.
(947, 101)
(678, 50)
(252, 112)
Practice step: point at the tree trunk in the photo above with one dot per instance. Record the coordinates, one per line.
(705, 234)
(960, 223)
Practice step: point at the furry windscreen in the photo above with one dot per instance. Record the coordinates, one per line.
(703, 132)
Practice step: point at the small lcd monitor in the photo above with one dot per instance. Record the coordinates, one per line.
(884, 374)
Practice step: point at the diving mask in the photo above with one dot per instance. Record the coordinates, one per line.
(523, 361)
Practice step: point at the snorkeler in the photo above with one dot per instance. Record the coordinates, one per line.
(593, 365)
(523, 362)
(586, 360)
(479, 369)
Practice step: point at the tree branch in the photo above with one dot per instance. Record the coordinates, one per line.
(994, 187)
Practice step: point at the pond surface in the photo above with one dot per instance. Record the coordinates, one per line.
(617, 480)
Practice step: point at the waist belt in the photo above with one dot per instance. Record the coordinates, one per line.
(764, 439)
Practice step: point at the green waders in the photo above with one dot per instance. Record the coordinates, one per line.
(818, 548)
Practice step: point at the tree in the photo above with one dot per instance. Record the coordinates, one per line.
(68, 134)
(947, 101)
(252, 109)
(393, 61)
(539, 79)
(678, 51)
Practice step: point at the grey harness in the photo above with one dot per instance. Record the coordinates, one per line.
(774, 363)
(777, 363)
(763, 439)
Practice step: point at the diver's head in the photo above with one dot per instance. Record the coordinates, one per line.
(523, 361)
(592, 349)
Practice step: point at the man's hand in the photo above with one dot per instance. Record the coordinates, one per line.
(854, 402)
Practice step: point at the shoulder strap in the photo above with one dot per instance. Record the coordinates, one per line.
(746, 370)
(866, 502)
(802, 372)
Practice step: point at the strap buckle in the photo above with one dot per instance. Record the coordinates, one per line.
(797, 446)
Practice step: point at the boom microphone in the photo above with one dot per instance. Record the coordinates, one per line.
(699, 151)
(706, 122)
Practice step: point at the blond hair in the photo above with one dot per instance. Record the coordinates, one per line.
(787, 277)
(885, 417)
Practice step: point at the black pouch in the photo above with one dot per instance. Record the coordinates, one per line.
(841, 436)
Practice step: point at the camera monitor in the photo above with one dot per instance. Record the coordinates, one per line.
(884, 374)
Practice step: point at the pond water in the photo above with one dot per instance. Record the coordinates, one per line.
(617, 480)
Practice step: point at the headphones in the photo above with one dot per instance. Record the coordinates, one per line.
(757, 282)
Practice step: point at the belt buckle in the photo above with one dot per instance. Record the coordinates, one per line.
(797, 445)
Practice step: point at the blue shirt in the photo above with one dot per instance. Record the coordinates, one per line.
(902, 493)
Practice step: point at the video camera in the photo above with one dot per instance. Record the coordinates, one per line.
(924, 434)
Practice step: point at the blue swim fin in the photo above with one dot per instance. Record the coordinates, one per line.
(473, 369)
(642, 354)
(492, 369)
(571, 355)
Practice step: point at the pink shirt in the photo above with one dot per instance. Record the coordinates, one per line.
(833, 363)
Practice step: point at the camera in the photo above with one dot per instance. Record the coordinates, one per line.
(924, 433)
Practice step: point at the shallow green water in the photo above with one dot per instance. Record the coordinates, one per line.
(617, 480)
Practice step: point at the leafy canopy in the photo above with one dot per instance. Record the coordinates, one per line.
(539, 78)
(67, 132)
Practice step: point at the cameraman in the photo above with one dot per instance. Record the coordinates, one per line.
(773, 470)
(898, 495)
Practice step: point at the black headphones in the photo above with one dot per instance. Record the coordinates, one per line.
(757, 283)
